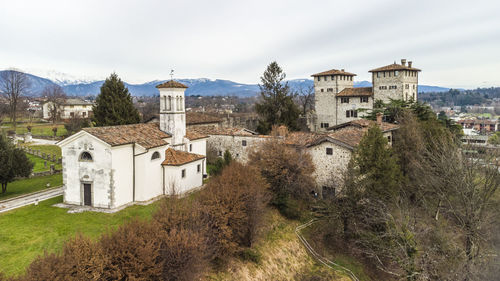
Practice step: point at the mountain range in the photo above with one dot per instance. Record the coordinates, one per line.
(200, 86)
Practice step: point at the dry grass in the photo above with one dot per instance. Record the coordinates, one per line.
(283, 257)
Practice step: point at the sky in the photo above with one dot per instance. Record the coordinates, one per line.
(455, 43)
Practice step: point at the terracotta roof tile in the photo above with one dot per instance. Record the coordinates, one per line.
(394, 66)
(194, 135)
(171, 84)
(356, 92)
(301, 138)
(364, 124)
(193, 118)
(176, 157)
(333, 72)
(146, 135)
(233, 131)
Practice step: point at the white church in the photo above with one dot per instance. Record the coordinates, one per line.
(110, 167)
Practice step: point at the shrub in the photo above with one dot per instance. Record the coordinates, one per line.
(251, 255)
(232, 206)
(289, 174)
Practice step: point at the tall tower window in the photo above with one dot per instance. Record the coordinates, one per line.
(169, 103)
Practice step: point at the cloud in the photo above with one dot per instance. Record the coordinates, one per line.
(143, 40)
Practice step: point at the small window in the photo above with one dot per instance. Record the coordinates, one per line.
(155, 155)
(329, 151)
(198, 168)
(183, 173)
(344, 100)
(319, 78)
(86, 157)
(244, 143)
(190, 147)
(329, 90)
(220, 153)
(389, 139)
(363, 99)
(378, 74)
(396, 73)
(322, 90)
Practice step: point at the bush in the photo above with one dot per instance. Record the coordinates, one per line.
(232, 206)
(289, 174)
(251, 255)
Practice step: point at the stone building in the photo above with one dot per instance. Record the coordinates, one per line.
(111, 167)
(337, 101)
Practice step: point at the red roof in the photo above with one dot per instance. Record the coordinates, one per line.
(356, 92)
(177, 158)
(394, 66)
(333, 72)
(147, 135)
(171, 84)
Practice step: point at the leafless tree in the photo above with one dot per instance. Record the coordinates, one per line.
(305, 99)
(13, 85)
(56, 97)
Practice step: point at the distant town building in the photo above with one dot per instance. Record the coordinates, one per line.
(71, 108)
(337, 101)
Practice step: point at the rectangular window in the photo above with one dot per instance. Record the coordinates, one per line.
(396, 73)
(344, 100)
(378, 74)
(322, 90)
(384, 73)
(363, 99)
(389, 139)
(319, 78)
(198, 168)
(407, 86)
(325, 78)
(190, 147)
(351, 113)
(244, 143)
(329, 151)
(329, 90)
(327, 125)
(183, 173)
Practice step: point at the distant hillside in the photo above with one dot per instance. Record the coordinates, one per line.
(200, 86)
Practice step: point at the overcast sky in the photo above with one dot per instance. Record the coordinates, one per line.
(456, 43)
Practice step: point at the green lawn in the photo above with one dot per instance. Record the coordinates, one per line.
(21, 187)
(39, 164)
(47, 148)
(44, 129)
(27, 232)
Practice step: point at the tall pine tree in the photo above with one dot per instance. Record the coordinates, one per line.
(276, 106)
(114, 104)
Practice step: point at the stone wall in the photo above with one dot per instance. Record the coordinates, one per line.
(218, 144)
(354, 104)
(325, 92)
(389, 78)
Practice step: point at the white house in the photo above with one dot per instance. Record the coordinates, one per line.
(70, 108)
(108, 167)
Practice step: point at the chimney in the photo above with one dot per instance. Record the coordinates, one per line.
(409, 64)
(403, 62)
(379, 118)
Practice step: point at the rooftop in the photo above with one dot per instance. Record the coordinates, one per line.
(333, 72)
(194, 135)
(233, 131)
(176, 157)
(146, 135)
(194, 118)
(171, 84)
(394, 66)
(364, 124)
(356, 92)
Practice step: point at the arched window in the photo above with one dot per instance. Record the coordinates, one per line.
(155, 155)
(85, 156)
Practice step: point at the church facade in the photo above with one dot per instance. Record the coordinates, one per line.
(110, 167)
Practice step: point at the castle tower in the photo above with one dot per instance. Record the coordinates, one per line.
(327, 85)
(395, 81)
(172, 111)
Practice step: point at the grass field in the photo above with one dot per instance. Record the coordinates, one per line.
(44, 129)
(50, 149)
(21, 187)
(27, 232)
(39, 164)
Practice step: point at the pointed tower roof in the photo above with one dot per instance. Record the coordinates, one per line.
(171, 84)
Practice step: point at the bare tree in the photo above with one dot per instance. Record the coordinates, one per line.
(13, 85)
(305, 99)
(56, 97)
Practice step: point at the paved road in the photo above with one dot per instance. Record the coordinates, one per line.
(28, 199)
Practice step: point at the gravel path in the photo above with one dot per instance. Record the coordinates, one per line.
(28, 199)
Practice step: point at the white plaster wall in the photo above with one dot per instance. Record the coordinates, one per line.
(175, 182)
(354, 103)
(148, 180)
(77, 110)
(173, 118)
(329, 169)
(234, 145)
(122, 177)
(98, 172)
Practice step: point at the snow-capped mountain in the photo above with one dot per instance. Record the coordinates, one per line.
(61, 78)
(75, 86)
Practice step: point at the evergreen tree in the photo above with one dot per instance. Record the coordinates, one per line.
(114, 104)
(380, 174)
(13, 163)
(276, 106)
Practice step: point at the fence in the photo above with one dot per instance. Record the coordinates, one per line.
(45, 156)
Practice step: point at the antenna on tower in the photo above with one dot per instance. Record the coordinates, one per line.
(171, 74)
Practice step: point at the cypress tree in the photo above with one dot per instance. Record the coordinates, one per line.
(114, 104)
(276, 106)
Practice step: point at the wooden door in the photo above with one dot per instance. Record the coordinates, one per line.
(87, 194)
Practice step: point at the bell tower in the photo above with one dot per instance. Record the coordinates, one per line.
(172, 110)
